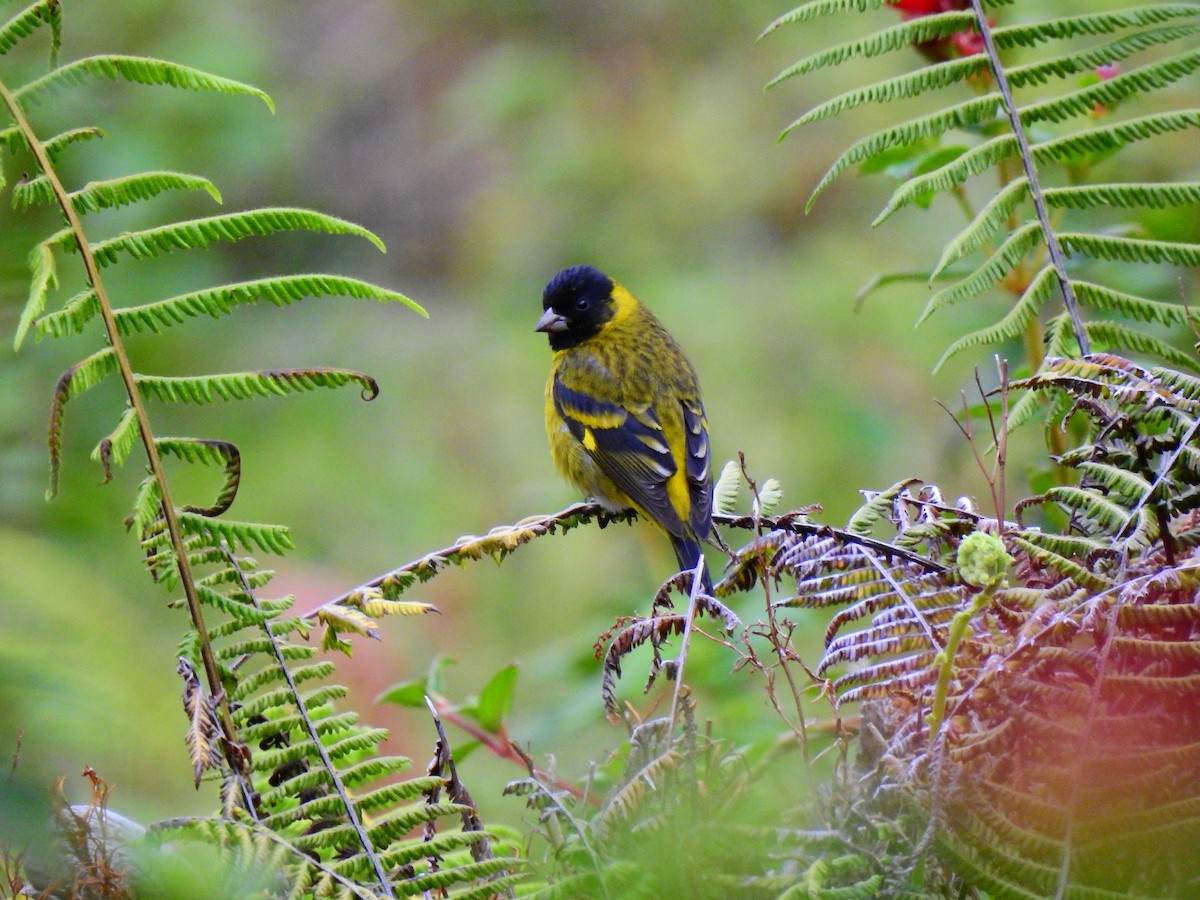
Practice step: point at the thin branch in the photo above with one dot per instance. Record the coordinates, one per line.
(1035, 187)
(498, 745)
(170, 515)
(311, 728)
(505, 540)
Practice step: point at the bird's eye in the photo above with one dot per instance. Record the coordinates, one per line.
(582, 303)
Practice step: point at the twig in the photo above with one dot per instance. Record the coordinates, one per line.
(1035, 187)
(498, 745)
(507, 538)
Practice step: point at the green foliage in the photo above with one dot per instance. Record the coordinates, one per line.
(1027, 242)
(286, 808)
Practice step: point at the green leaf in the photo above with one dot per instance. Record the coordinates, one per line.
(137, 69)
(1022, 241)
(1014, 322)
(496, 699)
(1143, 80)
(1125, 249)
(897, 37)
(725, 494)
(769, 495)
(910, 84)
(243, 385)
(1098, 296)
(197, 234)
(116, 446)
(1114, 335)
(250, 535)
(806, 12)
(962, 115)
(986, 222)
(26, 22)
(1084, 61)
(1028, 34)
(71, 319)
(280, 291)
(977, 159)
(1154, 196)
(1105, 139)
(878, 505)
(44, 278)
(81, 377)
(113, 192)
(406, 693)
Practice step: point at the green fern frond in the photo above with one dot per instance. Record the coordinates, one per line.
(878, 506)
(1019, 243)
(146, 516)
(71, 319)
(1111, 137)
(1083, 61)
(910, 84)
(211, 453)
(1126, 249)
(977, 159)
(962, 115)
(244, 385)
(137, 69)
(1104, 512)
(114, 192)
(250, 535)
(196, 234)
(898, 37)
(1131, 306)
(1015, 320)
(1029, 34)
(79, 378)
(1143, 80)
(249, 685)
(26, 22)
(279, 291)
(55, 145)
(986, 223)
(1128, 487)
(1114, 335)
(1154, 196)
(445, 878)
(806, 12)
(44, 278)
(116, 446)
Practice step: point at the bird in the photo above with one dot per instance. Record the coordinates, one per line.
(623, 411)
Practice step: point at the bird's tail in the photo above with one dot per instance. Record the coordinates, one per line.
(688, 552)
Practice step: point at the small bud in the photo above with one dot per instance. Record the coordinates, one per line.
(982, 560)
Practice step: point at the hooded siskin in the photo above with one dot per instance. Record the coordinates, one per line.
(623, 410)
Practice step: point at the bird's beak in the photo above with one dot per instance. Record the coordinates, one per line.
(551, 322)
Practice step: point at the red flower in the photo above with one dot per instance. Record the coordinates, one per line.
(965, 43)
(915, 8)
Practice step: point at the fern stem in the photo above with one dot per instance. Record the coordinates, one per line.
(1035, 187)
(958, 628)
(311, 728)
(684, 641)
(505, 540)
(170, 515)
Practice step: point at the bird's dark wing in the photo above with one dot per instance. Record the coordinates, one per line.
(632, 447)
(699, 466)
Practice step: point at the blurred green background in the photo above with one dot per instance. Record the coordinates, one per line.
(488, 144)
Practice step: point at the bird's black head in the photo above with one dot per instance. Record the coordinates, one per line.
(578, 302)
